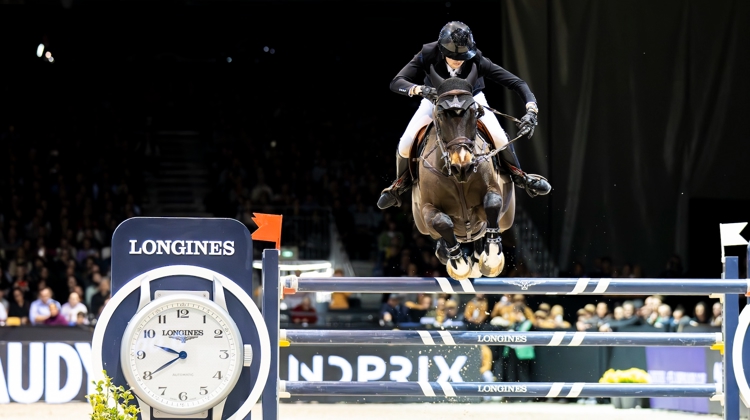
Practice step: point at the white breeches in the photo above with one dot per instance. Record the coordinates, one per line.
(423, 116)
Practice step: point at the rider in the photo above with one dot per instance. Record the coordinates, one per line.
(453, 55)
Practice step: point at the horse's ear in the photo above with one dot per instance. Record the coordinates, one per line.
(473, 76)
(435, 78)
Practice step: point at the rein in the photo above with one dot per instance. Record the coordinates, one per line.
(463, 140)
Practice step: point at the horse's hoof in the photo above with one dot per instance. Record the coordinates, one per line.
(491, 264)
(459, 269)
(476, 271)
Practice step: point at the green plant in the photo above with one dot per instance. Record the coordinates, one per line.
(111, 402)
(632, 375)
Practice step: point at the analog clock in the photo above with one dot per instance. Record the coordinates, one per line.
(182, 354)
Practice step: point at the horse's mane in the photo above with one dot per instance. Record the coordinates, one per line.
(453, 83)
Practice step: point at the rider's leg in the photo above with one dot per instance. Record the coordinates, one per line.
(390, 196)
(533, 184)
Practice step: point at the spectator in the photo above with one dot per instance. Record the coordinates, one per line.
(629, 318)
(55, 316)
(700, 316)
(679, 319)
(92, 289)
(476, 312)
(339, 300)
(453, 318)
(22, 281)
(39, 310)
(557, 315)
(583, 319)
(72, 308)
(19, 306)
(664, 317)
(519, 357)
(418, 310)
(437, 313)
(3, 301)
(500, 312)
(647, 314)
(716, 318)
(618, 313)
(3, 313)
(304, 313)
(601, 318)
(81, 319)
(97, 301)
(393, 312)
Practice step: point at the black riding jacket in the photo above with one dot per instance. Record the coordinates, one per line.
(419, 67)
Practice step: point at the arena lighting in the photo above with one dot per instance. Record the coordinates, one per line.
(311, 266)
(40, 50)
(48, 54)
(229, 59)
(51, 60)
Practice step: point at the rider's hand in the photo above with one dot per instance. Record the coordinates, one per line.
(426, 92)
(528, 123)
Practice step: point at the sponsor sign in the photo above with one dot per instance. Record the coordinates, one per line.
(380, 363)
(678, 365)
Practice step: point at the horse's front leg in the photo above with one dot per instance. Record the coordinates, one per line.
(458, 266)
(492, 260)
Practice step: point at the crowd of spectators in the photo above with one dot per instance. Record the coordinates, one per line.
(63, 191)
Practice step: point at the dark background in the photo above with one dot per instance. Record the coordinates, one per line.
(643, 104)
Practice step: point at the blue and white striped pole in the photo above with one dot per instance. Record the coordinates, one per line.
(535, 338)
(485, 389)
(529, 286)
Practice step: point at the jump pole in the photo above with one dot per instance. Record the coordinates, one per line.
(497, 338)
(496, 389)
(527, 286)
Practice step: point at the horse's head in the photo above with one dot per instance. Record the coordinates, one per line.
(456, 115)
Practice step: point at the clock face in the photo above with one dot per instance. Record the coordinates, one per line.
(182, 354)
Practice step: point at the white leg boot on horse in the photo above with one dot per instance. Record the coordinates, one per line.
(448, 248)
(492, 260)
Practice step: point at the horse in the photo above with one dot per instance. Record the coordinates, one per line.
(460, 194)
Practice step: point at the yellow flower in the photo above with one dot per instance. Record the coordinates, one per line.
(632, 375)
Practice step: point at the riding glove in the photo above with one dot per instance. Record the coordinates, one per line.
(527, 124)
(429, 93)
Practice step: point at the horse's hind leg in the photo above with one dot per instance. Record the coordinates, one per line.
(492, 260)
(458, 266)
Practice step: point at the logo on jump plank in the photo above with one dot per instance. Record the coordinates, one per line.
(524, 284)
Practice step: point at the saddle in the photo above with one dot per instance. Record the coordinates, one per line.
(417, 146)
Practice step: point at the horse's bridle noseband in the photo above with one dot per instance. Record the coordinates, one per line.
(461, 141)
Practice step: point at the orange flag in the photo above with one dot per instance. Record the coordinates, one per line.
(269, 228)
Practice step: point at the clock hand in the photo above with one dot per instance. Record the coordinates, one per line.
(182, 355)
(168, 349)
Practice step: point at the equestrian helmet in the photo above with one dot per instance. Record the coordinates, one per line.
(457, 42)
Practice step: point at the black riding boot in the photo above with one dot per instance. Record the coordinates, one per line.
(391, 195)
(533, 184)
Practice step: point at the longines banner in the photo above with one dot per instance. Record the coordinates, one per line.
(57, 370)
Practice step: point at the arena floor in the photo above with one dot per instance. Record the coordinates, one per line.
(516, 411)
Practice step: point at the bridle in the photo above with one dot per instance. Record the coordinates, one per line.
(460, 141)
(463, 141)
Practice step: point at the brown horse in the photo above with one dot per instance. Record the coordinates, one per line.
(460, 196)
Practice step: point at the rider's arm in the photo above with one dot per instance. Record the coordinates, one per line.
(505, 78)
(407, 78)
